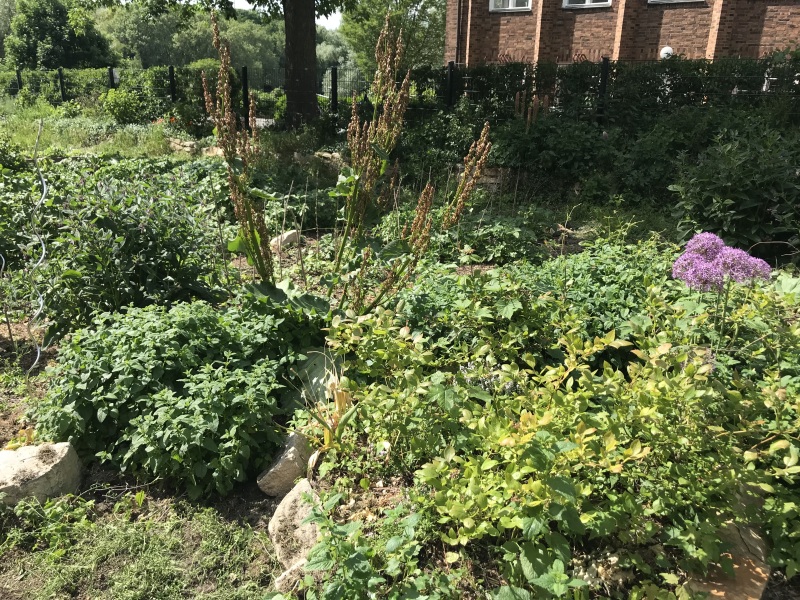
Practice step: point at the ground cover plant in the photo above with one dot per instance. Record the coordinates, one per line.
(528, 441)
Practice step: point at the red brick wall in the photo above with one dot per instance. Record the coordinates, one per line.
(759, 27)
(451, 31)
(501, 36)
(649, 27)
(585, 32)
(746, 28)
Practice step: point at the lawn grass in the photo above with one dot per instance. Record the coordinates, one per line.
(88, 133)
(136, 546)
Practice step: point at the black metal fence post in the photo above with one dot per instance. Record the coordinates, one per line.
(605, 67)
(334, 90)
(61, 85)
(19, 80)
(246, 99)
(111, 82)
(173, 90)
(451, 76)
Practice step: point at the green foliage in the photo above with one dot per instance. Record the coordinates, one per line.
(11, 159)
(53, 525)
(271, 105)
(123, 106)
(435, 140)
(43, 37)
(745, 188)
(574, 410)
(187, 394)
(7, 9)
(116, 235)
(354, 565)
(422, 23)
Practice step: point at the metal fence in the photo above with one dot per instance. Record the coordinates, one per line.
(608, 90)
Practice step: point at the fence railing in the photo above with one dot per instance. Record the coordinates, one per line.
(607, 90)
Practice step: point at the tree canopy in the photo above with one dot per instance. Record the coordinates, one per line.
(7, 8)
(44, 36)
(175, 39)
(300, 35)
(422, 22)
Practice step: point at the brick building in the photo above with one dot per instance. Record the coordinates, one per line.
(481, 31)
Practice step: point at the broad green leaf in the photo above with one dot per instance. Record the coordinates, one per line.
(508, 592)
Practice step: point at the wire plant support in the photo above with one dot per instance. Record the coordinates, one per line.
(37, 234)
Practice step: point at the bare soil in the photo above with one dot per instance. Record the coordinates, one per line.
(779, 588)
(18, 353)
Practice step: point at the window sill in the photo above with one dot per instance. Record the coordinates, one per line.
(589, 6)
(509, 10)
(676, 1)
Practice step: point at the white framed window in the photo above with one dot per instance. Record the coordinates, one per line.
(509, 5)
(586, 3)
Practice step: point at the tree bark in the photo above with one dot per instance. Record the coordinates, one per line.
(301, 60)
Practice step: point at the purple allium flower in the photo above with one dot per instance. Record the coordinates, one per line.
(740, 266)
(706, 245)
(684, 264)
(703, 275)
(707, 262)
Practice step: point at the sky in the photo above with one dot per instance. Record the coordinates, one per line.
(331, 22)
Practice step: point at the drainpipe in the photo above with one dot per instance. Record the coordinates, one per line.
(458, 32)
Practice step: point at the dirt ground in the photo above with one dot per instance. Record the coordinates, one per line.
(17, 354)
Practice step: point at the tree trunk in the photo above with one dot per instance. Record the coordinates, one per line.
(301, 60)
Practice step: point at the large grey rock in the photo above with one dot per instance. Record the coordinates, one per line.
(292, 539)
(290, 466)
(751, 572)
(285, 239)
(41, 472)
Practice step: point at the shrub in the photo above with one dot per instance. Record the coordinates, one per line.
(124, 106)
(189, 118)
(549, 461)
(746, 188)
(69, 109)
(117, 235)
(188, 394)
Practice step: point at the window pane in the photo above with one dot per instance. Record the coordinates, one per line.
(521, 4)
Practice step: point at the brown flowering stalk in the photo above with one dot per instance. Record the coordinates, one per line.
(417, 236)
(474, 163)
(240, 150)
(372, 141)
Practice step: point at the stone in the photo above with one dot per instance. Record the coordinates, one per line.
(291, 465)
(285, 239)
(213, 151)
(41, 472)
(286, 581)
(292, 539)
(751, 572)
(178, 145)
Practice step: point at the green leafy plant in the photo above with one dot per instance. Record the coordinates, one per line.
(124, 106)
(188, 394)
(744, 189)
(550, 448)
(355, 566)
(122, 240)
(52, 525)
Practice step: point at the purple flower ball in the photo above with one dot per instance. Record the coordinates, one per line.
(740, 266)
(684, 264)
(706, 245)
